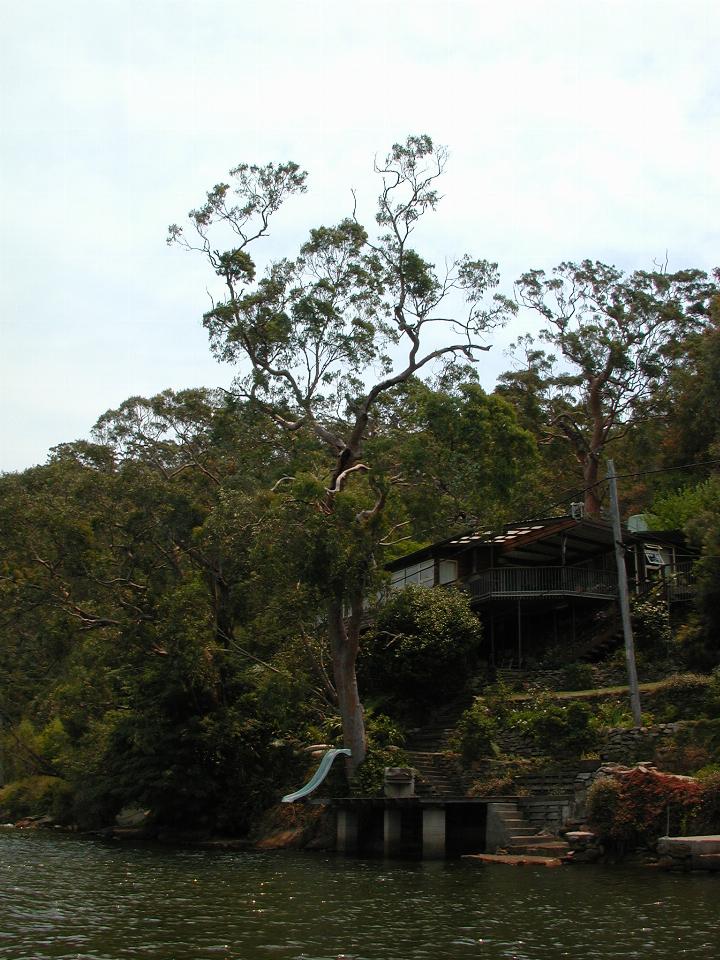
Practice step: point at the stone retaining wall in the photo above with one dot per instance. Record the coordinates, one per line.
(624, 745)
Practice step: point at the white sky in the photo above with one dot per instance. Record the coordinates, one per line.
(576, 129)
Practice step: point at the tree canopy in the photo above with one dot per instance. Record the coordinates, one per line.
(613, 339)
(183, 596)
(322, 337)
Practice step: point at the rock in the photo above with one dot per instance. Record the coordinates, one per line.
(133, 817)
(34, 823)
(511, 860)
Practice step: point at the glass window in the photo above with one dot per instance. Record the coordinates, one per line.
(421, 573)
(448, 571)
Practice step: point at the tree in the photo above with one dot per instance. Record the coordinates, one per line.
(462, 452)
(130, 665)
(693, 401)
(613, 337)
(322, 338)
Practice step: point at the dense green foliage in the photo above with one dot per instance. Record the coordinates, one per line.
(182, 598)
(423, 647)
(494, 724)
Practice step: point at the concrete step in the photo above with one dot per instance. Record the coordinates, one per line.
(538, 846)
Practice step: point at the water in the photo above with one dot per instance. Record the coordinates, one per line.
(63, 897)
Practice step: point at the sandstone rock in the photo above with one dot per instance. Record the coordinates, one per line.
(133, 817)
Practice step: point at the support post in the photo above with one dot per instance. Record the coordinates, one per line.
(392, 831)
(623, 597)
(347, 832)
(519, 638)
(433, 833)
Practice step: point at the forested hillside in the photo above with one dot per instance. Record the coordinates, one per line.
(183, 596)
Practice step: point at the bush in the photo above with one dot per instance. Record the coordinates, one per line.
(423, 649)
(684, 759)
(639, 807)
(614, 713)
(707, 815)
(41, 796)
(385, 739)
(651, 625)
(476, 733)
(369, 778)
(557, 729)
(577, 676)
(686, 696)
(603, 802)
(694, 747)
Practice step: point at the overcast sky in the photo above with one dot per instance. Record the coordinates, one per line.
(576, 129)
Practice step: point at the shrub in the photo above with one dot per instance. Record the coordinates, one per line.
(614, 713)
(707, 815)
(651, 625)
(603, 801)
(681, 758)
(558, 729)
(683, 696)
(424, 647)
(369, 778)
(693, 747)
(640, 806)
(577, 676)
(384, 749)
(492, 786)
(37, 797)
(385, 739)
(476, 733)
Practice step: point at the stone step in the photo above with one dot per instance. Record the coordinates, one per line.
(538, 846)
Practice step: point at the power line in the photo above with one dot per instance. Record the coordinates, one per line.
(579, 492)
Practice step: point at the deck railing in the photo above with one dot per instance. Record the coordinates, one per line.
(680, 578)
(542, 582)
(673, 581)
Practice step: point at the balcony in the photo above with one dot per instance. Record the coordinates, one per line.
(542, 582)
(673, 581)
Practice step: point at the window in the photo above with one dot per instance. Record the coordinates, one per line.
(448, 571)
(653, 557)
(421, 573)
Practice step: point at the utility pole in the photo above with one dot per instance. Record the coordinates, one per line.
(623, 596)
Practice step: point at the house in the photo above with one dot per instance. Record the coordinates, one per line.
(541, 585)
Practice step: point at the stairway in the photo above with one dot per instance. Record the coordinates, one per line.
(597, 640)
(518, 837)
(428, 751)
(438, 775)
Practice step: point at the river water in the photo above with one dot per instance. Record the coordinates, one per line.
(64, 897)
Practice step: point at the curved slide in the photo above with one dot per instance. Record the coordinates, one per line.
(322, 771)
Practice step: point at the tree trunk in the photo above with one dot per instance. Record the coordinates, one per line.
(591, 458)
(590, 475)
(344, 644)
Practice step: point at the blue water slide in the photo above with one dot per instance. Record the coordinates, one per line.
(317, 778)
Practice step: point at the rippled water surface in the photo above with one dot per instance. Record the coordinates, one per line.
(65, 897)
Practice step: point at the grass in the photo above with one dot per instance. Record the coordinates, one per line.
(594, 694)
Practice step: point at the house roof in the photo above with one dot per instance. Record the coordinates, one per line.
(538, 541)
(527, 541)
